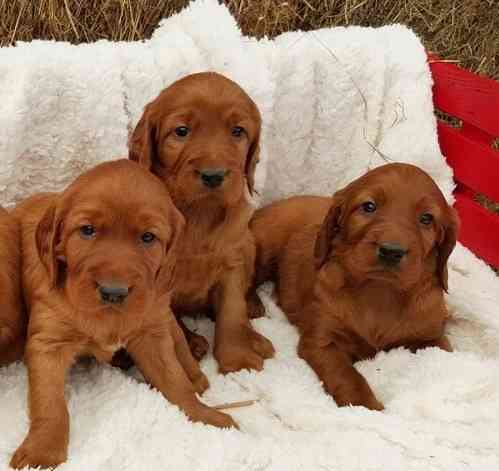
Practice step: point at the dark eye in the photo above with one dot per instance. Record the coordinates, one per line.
(426, 219)
(368, 207)
(237, 131)
(87, 231)
(148, 237)
(182, 131)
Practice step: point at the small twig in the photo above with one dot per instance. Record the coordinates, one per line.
(234, 405)
(453, 61)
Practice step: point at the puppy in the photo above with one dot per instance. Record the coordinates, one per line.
(98, 262)
(12, 315)
(201, 137)
(362, 272)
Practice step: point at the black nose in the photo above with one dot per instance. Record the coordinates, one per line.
(112, 293)
(212, 177)
(391, 254)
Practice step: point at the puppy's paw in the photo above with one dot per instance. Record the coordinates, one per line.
(262, 345)
(36, 451)
(208, 415)
(198, 344)
(200, 383)
(245, 351)
(368, 401)
(256, 308)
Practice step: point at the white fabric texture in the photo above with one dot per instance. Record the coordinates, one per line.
(333, 101)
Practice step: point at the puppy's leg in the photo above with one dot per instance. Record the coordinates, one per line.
(154, 353)
(334, 368)
(188, 362)
(237, 345)
(46, 444)
(197, 343)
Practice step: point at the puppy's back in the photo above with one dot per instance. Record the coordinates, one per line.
(274, 225)
(12, 315)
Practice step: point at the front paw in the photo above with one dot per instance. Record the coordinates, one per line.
(198, 345)
(367, 400)
(248, 350)
(39, 450)
(210, 416)
(256, 308)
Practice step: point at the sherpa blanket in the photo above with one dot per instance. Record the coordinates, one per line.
(335, 102)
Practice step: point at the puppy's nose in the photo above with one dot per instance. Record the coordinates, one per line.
(391, 254)
(212, 177)
(112, 292)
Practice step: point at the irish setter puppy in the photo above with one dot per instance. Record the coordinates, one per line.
(362, 272)
(98, 262)
(201, 137)
(12, 315)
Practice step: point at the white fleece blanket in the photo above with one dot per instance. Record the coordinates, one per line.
(333, 102)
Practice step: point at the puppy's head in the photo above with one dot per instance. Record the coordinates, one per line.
(201, 137)
(392, 224)
(109, 240)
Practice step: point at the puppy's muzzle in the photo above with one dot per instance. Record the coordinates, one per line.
(391, 253)
(113, 292)
(212, 177)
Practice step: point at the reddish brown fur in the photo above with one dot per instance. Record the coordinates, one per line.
(12, 315)
(348, 305)
(217, 250)
(61, 269)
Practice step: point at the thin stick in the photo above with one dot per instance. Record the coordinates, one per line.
(234, 405)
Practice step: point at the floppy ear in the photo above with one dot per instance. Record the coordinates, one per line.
(328, 231)
(166, 272)
(46, 237)
(447, 243)
(251, 160)
(142, 145)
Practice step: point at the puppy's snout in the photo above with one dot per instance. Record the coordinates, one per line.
(391, 253)
(213, 177)
(112, 292)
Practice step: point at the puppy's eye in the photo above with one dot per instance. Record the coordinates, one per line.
(87, 231)
(368, 207)
(237, 131)
(182, 131)
(148, 238)
(426, 219)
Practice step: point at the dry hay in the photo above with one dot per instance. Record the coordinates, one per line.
(465, 30)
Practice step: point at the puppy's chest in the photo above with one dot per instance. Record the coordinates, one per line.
(387, 320)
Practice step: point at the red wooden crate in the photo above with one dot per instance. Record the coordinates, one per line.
(471, 149)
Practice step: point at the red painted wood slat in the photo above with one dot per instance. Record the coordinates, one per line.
(479, 228)
(474, 163)
(467, 96)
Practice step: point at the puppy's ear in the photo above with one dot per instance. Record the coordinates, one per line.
(252, 159)
(328, 231)
(46, 237)
(448, 239)
(166, 272)
(142, 145)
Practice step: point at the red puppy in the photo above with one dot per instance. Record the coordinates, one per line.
(201, 137)
(98, 263)
(362, 272)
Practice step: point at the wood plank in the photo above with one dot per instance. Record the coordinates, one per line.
(479, 228)
(474, 163)
(469, 97)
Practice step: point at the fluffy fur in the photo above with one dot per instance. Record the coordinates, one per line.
(347, 300)
(201, 123)
(12, 315)
(65, 266)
